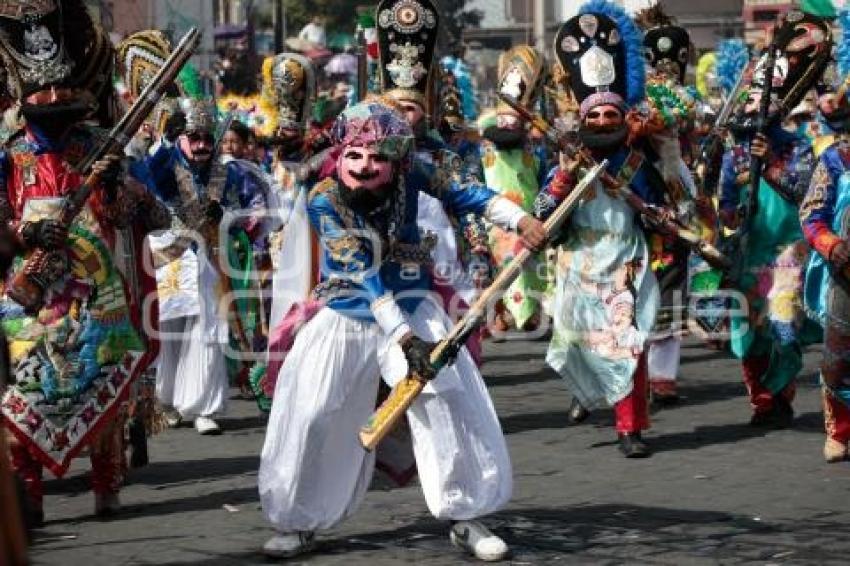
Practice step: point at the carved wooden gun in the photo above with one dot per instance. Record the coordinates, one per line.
(44, 267)
(405, 392)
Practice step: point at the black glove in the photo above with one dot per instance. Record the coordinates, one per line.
(174, 126)
(110, 170)
(44, 234)
(418, 354)
(213, 211)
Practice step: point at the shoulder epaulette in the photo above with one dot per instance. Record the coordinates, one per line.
(322, 186)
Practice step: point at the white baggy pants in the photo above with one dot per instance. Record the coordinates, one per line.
(192, 373)
(313, 470)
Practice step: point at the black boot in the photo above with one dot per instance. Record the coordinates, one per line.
(633, 446)
(783, 413)
(577, 414)
(138, 443)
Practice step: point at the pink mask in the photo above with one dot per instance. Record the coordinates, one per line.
(362, 167)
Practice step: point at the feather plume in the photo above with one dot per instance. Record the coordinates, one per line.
(732, 57)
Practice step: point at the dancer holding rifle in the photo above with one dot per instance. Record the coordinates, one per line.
(373, 316)
(762, 181)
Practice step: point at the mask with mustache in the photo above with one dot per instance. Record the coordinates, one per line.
(505, 138)
(365, 201)
(603, 138)
(745, 124)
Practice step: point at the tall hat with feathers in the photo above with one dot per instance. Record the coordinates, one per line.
(521, 76)
(140, 56)
(667, 46)
(407, 37)
(601, 51)
(289, 85)
(803, 45)
(46, 43)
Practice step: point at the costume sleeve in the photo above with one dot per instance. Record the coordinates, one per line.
(460, 200)
(556, 186)
(730, 192)
(349, 256)
(818, 208)
(541, 157)
(160, 165)
(790, 172)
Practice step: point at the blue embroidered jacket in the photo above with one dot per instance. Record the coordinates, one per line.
(370, 259)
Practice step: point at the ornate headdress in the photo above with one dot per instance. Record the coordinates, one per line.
(201, 116)
(289, 84)
(52, 42)
(803, 45)
(600, 49)
(667, 47)
(140, 56)
(374, 124)
(407, 37)
(521, 75)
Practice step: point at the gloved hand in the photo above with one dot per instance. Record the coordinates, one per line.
(44, 234)
(109, 169)
(418, 354)
(213, 211)
(174, 126)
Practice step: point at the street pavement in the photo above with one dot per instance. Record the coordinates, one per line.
(716, 491)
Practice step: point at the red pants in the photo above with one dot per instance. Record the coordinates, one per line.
(107, 465)
(632, 413)
(761, 398)
(836, 416)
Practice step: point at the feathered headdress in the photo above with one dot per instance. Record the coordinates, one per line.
(632, 39)
(601, 50)
(667, 46)
(706, 74)
(732, 57)
(842, 50)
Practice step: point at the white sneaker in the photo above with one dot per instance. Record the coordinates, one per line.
(289, 544)
(207, 426)
(476, 539)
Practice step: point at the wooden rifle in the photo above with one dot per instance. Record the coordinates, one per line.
(408, 389)
(749, 208)
(659, 217)
(712, 147)
(29, 285)
(362, 66)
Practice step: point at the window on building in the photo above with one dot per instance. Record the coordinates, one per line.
(765, 16)
(521, 11)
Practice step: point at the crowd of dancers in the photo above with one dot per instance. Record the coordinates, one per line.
(316, 260)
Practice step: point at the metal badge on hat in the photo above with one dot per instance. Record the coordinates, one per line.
(407, 36)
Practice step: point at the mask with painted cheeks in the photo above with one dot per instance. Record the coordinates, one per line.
(367, 176)
(603, 127)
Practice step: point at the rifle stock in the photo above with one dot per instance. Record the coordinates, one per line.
(29, 285)
(654, 214)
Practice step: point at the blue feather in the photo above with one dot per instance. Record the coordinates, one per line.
(632, 41)
(842, 50)
(732, 57)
